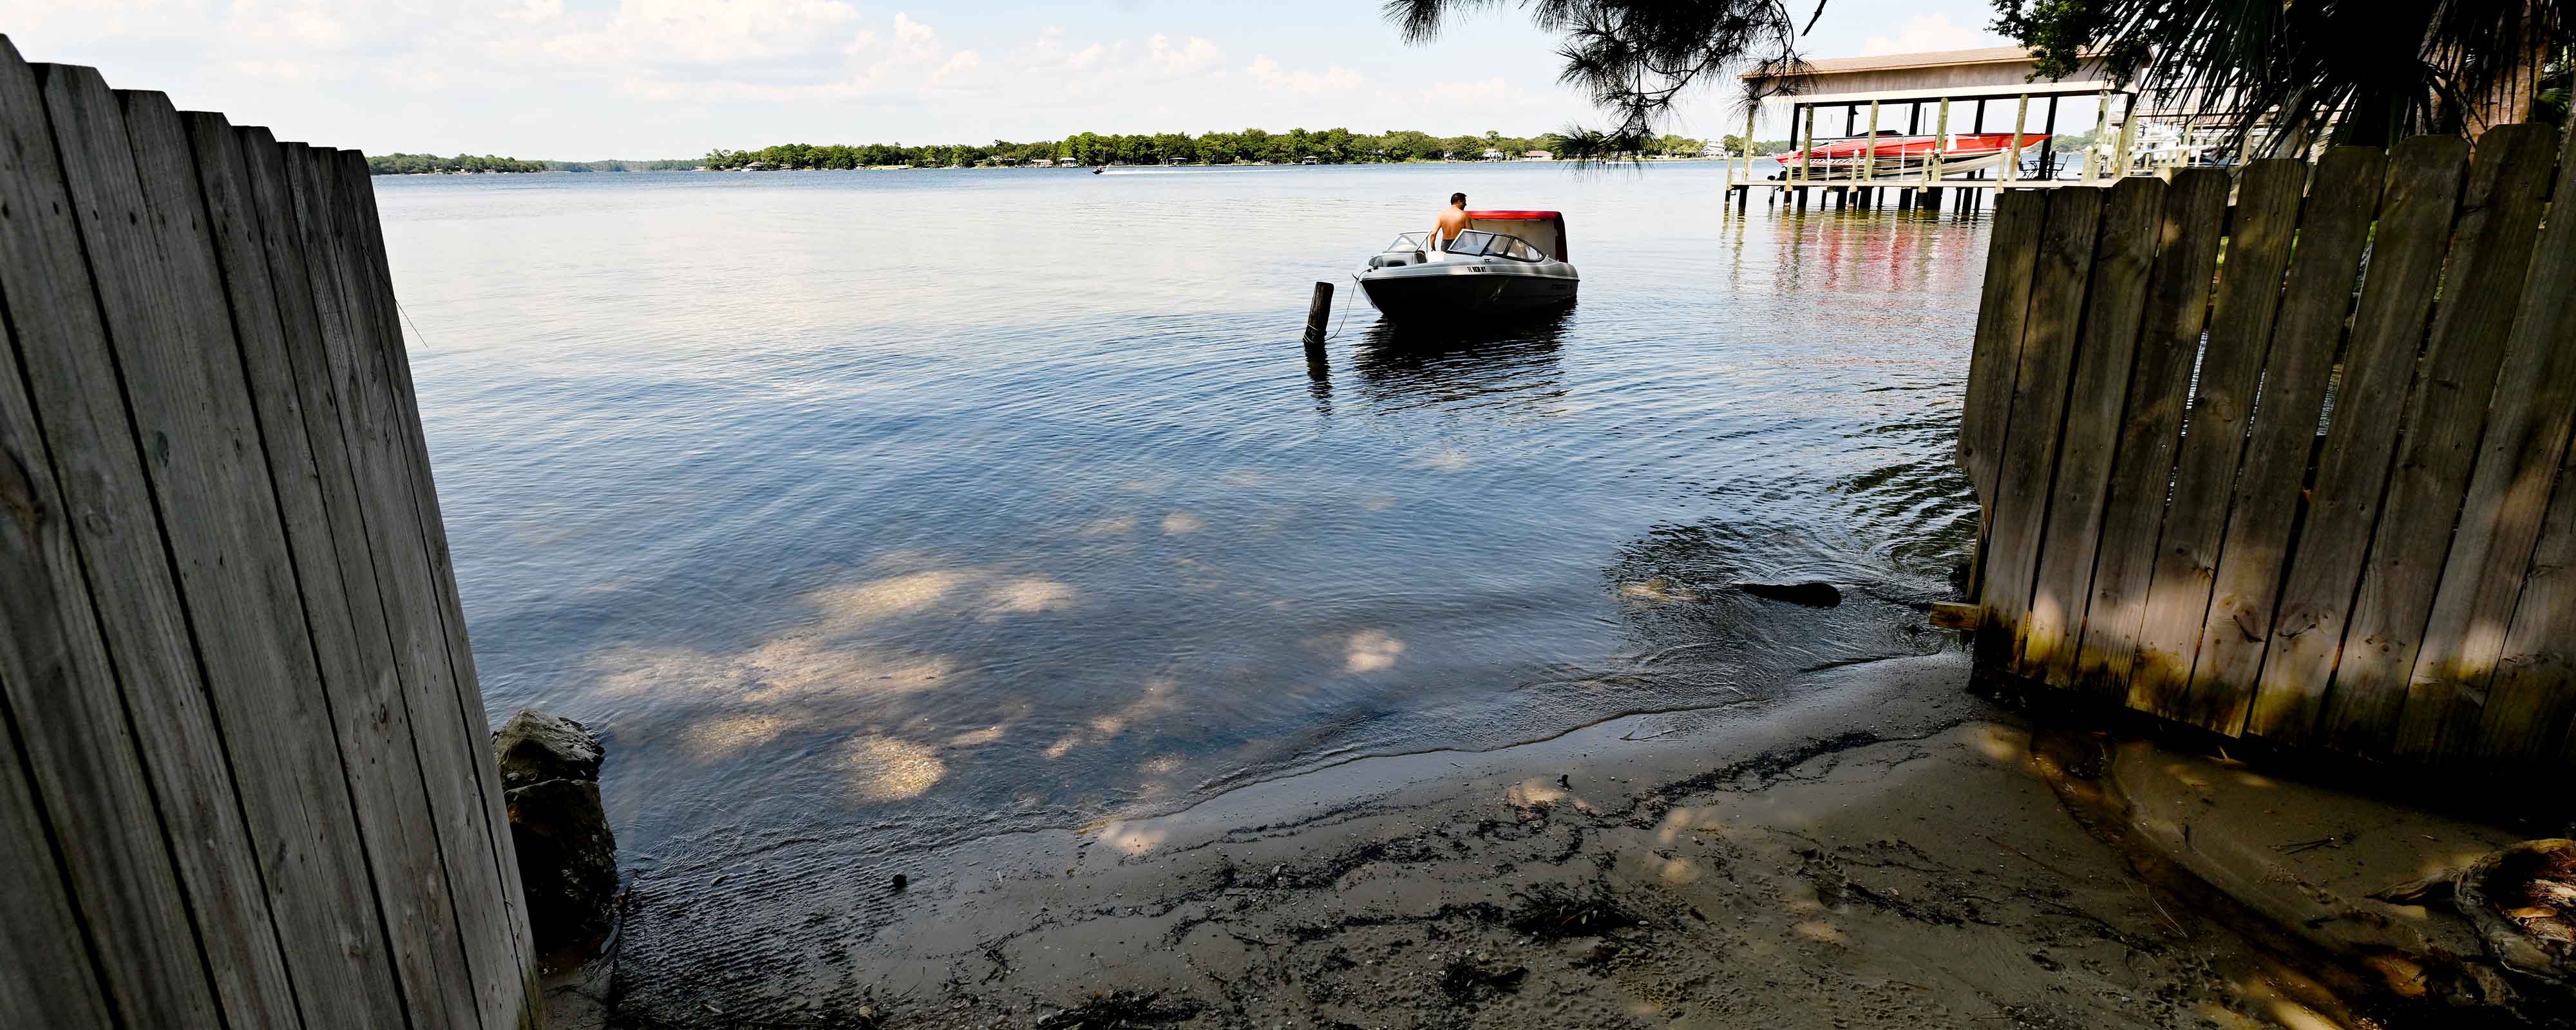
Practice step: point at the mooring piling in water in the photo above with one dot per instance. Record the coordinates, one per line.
(1319, 314)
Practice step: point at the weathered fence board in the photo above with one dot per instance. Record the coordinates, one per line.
(248, 806)
(2355, 533)
(2039, 400)
(341, 186)
(2412, 236)
(2334, 226)
(2530, 702)
(2529, 698)
(1993, 361)
(362, 697)
(2240, 332)
(2124, 250)
(46, 988)
(2177, 309)
(2490, 249)
(2527, 425)
(184, 386)
(108, 806)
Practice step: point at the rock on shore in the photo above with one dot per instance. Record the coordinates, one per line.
(567, 854)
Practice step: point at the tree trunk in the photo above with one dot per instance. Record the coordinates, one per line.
(2510, 95)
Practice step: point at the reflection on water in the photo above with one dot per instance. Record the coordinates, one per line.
(1511, 361)
(867, 512)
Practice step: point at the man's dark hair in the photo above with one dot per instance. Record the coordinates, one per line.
(1457, 198)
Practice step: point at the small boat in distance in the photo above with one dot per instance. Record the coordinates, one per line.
(1504, 261)
(1898, 154)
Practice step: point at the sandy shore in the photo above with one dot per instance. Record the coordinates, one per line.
(1882, 852)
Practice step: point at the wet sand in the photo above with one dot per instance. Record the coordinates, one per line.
(1883, 852)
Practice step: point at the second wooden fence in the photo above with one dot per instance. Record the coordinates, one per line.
(2291, 466)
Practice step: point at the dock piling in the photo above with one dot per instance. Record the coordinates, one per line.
(1319, 315)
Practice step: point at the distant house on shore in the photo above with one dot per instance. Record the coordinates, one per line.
(1538, 155)
(1041, 162)
(1494, 155)
(1714, 149)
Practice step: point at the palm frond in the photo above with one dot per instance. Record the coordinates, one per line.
(1636, 58)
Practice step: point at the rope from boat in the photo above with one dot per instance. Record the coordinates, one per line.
(1346, 308)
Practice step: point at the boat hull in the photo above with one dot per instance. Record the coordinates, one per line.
(1471, 291)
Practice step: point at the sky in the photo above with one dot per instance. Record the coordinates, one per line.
(590, 79)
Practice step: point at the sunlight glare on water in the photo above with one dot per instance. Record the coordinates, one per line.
(880, 510)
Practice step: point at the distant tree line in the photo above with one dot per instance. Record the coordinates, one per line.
(422, 164)
(668, 164)
(463, 164)
(1327, 146)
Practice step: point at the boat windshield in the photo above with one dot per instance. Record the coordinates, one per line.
(1471, 243)
(1477, 242)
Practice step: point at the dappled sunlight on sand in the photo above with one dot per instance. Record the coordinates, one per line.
(797, 666)
(628, 671)
(821, 657)
(1444, 459)
(1159, 697)
(2000, 744)
(1028, 595)
(1819, 931)
(1109, 527)
(1658, 590)
(888, 769)
(1683, 820)
(1370, 651)
(860, 603)
(1131, 841)
(718, 739)
(976, 738)
(1533, 792)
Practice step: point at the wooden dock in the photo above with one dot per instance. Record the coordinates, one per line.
(248, 782)
(2311, 494)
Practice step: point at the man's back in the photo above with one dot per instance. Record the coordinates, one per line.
(1452, 222)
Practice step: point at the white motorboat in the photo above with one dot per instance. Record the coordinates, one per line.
(1504, 261)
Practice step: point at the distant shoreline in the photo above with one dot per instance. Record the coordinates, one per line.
(1036, 168)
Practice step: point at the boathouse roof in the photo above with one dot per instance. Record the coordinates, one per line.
(1982, 72)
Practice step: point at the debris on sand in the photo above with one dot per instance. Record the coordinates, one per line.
(1120, 1008)
(1551, 912)
(1466, 980)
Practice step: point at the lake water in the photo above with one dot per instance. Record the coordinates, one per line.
(869, 512)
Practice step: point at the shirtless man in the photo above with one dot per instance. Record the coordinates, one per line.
(1453, 220)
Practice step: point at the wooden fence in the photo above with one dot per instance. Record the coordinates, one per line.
(246, 781)
(2290, 467)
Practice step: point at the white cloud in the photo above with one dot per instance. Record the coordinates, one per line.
(1271, 76)
(1195, 55)
(1926, 32)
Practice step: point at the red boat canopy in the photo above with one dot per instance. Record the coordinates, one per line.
(1551, 238)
